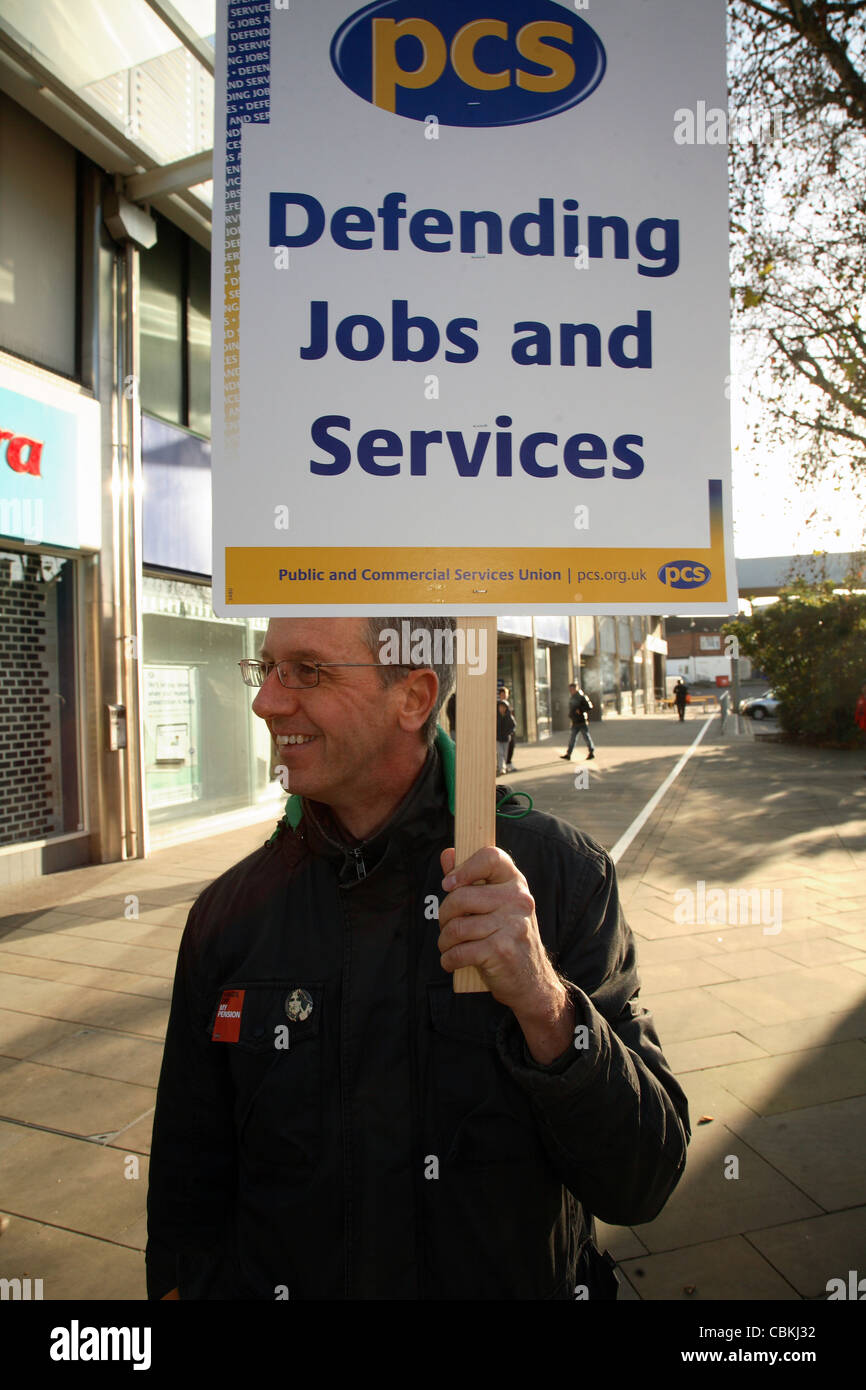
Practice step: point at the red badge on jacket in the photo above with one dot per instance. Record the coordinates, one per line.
(227, 1027)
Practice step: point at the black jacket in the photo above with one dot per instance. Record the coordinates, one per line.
(579, 707)
(404, 1145)
(505, 725)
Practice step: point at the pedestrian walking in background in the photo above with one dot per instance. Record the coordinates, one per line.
(502, 694)
(504, 730)
(579, 706)
(680, 694)
(724, 703)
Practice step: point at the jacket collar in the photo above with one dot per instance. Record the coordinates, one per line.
(413, 819)
(295, 805)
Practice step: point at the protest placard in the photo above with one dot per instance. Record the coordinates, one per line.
(471, 308)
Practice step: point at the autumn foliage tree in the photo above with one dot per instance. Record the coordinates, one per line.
(798, 205)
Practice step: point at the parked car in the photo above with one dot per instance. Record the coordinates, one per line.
(764, 706)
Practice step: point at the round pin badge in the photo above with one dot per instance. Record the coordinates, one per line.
(299, 1005)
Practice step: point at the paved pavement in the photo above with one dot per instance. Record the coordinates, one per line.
(758, 999)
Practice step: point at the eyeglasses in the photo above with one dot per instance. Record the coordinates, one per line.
(296, 675)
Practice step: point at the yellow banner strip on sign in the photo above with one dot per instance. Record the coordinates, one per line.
(459, 576)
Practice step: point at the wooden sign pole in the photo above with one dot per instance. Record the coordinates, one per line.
(475, 784)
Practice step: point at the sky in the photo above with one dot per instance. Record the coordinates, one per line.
(772, 509)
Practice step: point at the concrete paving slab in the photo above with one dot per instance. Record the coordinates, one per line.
(127, 1013)
(707, 1204)
(135, 1138)
(699, 1054)
(622, 1241)
(665, 950)
(645, 896)
(661, 979)
(718, 1270)
(848, 921)
(792, 994)
(627, 1292)
(707, 1097)
(804, 1033)
(104, 908)
(78, 950)
(811, 1253)
(747, 965)
(835, 885)
(89, 976)
(655, 928)
(73, 1184)
(98, 1053)
(692, 1013)
(820, 950)
(763, 937)
(164, 938)
(793, 1080)
(71, 1266)
(61, 1099)
(859, 965)
(820, 1149)
(166, 916)
(857, 939)
(53, 920)
(21, 1034)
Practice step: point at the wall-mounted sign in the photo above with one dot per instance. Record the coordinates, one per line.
(473, 289)
(49, 463)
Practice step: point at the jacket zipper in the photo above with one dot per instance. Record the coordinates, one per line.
(414, 947)
(360, 866)
(345, 1104)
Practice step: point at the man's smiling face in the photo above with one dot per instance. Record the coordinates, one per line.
(342, 741)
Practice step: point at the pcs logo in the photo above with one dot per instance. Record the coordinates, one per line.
(684, 574)
(469, 62)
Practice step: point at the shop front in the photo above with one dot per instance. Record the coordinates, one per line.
(514, 670)
(207, 759)
(49, 536)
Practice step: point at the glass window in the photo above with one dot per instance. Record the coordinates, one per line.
(162, 325)
(542, 690)
(198, 339)
(509, 671)
(176, 330)
(205, 752)
(39, 780)
(608, 674)
(607, 634)
(38, 242)
(586, 636)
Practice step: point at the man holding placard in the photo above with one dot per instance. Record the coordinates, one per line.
(333, 1121)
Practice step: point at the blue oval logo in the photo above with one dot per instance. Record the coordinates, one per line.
(509, 64)
(684, 574)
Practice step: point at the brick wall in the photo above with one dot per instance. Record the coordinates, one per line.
(27, 783)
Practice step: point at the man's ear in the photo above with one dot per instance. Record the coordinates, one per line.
(417, 696)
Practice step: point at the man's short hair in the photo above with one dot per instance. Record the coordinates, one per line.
(443, 647)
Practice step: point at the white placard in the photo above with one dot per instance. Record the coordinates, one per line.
(471, 308)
